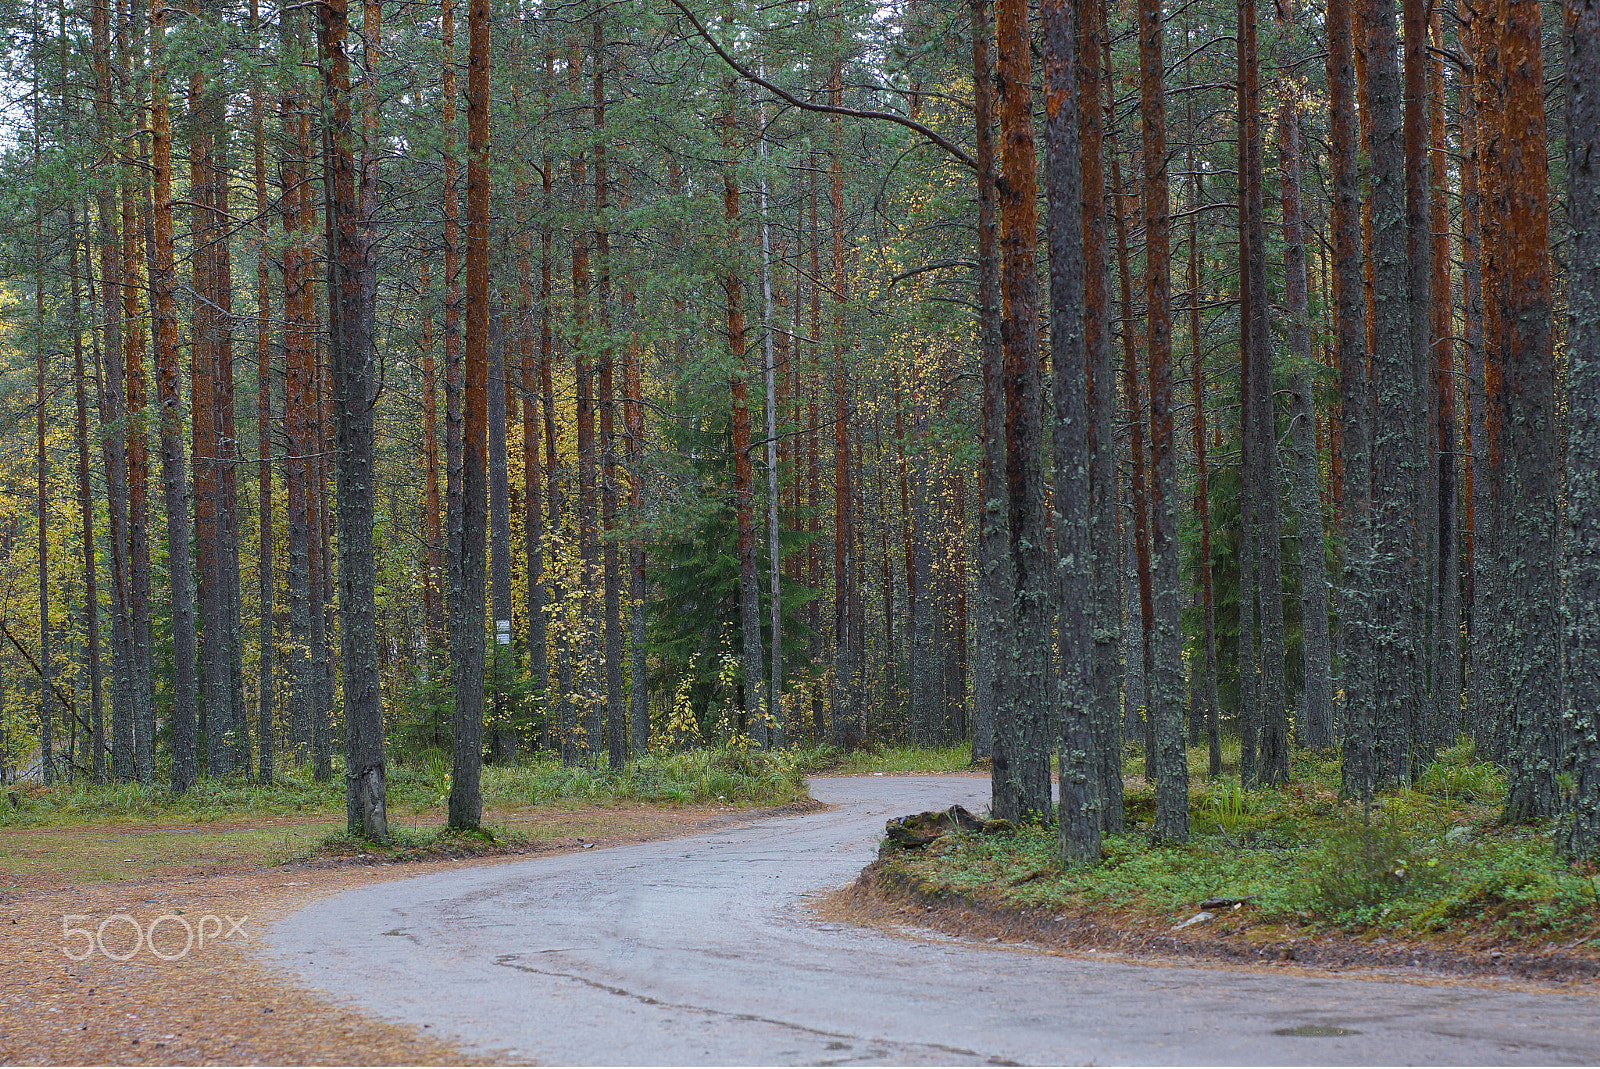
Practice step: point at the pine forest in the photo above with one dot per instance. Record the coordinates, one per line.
(1082, 381)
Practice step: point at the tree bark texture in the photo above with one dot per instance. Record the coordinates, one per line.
(1105, 691)
(1532, 657)
(185, 759)
(1316, 727)
(1168, 757)
(466, 801)
(1024, 727)
(355, 375)
(1080, 823)
(1396, 620)
(994, 566)
(1579, 834)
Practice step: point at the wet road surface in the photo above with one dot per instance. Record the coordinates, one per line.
(702, 951)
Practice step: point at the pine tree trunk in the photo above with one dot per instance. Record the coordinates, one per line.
(466, 801)
(1102, 401)
(1396, 619)
(138, 218)
(1355, 408)
(1167, 755)
(298, 343)
(185, 759)
(1472, 343)
(113, 435)
(1138, 489)
(432, 522)
(1024, 727)
(560, 718)
(1446, 672)
(1490, 567)
(1579, 834)
(1316, 729)
(1202, 504)
(633, 456)
(585, 645)
(355, 389)
(532, 483)
(453, 371)
(265, 650)
(847, 709)
(617, 711)
(1425, 478)
(1533, 651)
(502, 734)
(91, 596)
(776, 714)
(205, 473)
(1081, 822)
(1273, 763)
(991, 686)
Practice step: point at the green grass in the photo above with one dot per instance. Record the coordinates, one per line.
(1433, 860)
(830, 760)
(419, 785)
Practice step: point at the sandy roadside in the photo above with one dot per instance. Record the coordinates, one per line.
(213, 1003)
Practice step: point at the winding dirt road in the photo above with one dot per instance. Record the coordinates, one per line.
(702, 951)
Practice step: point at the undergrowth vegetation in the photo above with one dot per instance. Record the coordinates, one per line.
(1430, 861)
(419, 784)
(831, 760)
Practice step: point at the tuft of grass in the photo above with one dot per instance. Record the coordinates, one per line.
(409, 844)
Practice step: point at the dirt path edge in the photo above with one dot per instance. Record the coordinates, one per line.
(884, 895)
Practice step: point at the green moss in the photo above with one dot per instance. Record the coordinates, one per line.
(1431, 860)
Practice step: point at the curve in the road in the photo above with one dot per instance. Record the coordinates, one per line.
(702, 951)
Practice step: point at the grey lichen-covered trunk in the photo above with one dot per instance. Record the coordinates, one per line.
(1396, 619)
(1081, 823)
(467, 612)
(1133, 642)
(1579, 834)
(921, 604)
(1316, 728)
(994, 578)
(1166, 755)
(1354, 407)
(1533, 653)
(1262, 466)
(355, 379)
(1106, 683)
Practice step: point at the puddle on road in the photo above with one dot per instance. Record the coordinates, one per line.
(1312, 1031)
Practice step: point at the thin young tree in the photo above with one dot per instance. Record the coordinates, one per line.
(1167, 756)
(994, 562)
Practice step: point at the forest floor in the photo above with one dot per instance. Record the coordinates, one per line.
(1428, 883)
(197, 996)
